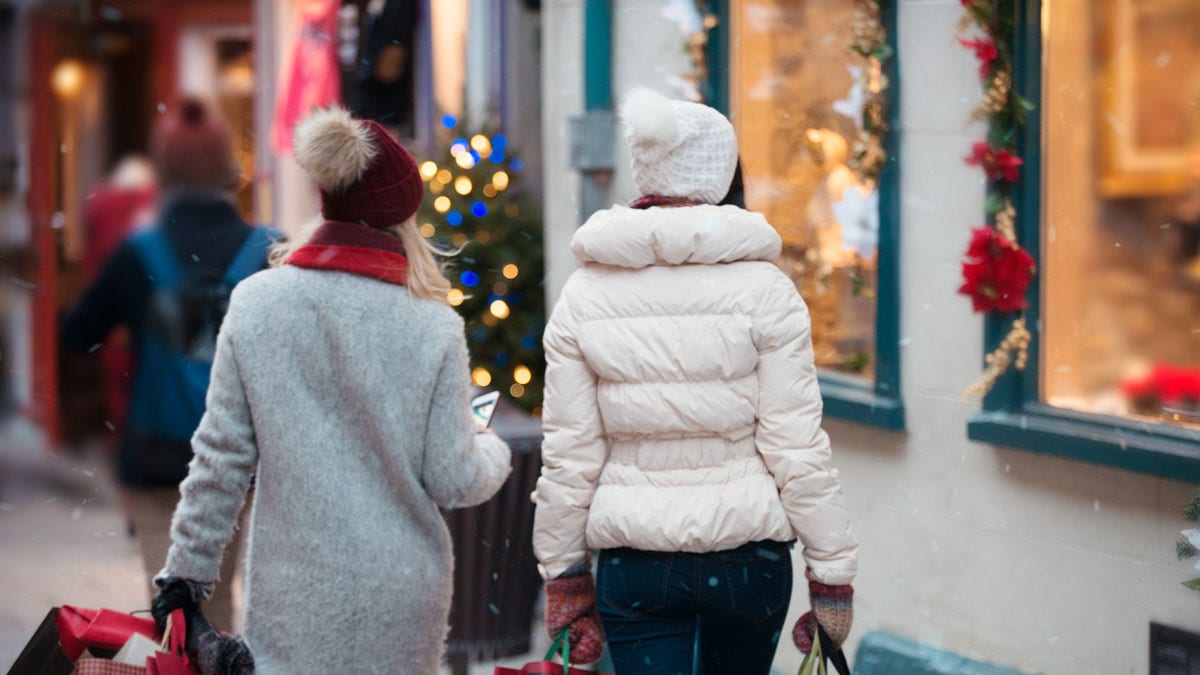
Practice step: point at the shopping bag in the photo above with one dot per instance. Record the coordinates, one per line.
(80, 629)
(547, 666)
(96, 666)
(43, 655)
(173, 658)
(823, 652)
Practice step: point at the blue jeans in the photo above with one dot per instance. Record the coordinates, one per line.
(695, 613)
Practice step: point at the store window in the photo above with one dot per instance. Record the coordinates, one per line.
(1111, 211)
(816, 164)
(1121, 209)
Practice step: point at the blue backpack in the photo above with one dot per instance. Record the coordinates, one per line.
(179, 340)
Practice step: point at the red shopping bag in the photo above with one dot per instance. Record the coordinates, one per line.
(547, 666)
(173, 660)
(80, 629)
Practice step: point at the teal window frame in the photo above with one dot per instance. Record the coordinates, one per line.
(879, 404)
(1013, 414)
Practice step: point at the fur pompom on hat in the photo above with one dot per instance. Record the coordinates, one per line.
(364, 174)
(678, 148)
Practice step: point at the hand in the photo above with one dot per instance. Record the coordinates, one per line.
(571, 604)
(177, 593)
(832, 608)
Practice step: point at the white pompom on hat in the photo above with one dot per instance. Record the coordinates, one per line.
(678, 148)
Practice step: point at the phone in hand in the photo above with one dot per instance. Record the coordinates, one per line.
(484, 408)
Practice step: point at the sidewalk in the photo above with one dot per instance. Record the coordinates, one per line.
(64, 540)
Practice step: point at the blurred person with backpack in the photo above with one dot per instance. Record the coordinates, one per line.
(169, 284)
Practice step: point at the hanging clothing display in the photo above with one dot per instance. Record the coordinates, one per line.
(314, 80)
(379, 82)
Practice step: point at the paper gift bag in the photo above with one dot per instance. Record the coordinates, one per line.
(42, 654)
(80, 629)
(173, 659)
(547, 666)
(94, 666)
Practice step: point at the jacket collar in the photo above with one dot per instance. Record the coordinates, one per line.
(354, 249)
(689, 235)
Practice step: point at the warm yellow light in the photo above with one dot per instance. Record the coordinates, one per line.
(481, 377)
(444, 176)
(441, 204)
(457, 149)
(500, 180)
(428, 170)
(67, 78)
(512, 210)
(489, 320)
(499, 309)
(455, 297)
(516, 391)
(437, 187)
(428, 230)
(481, 144)
(490, 191)
(459, 240)
(510, 271)
(522, 375)
(462, 185)
(465, 160)
(483, 236)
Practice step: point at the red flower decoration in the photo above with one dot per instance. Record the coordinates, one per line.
(996, 273)
(998, 164)
(985, 51)
(1166, 384)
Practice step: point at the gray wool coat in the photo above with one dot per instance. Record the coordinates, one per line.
(349, 399)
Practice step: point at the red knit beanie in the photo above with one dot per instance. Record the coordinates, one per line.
(192, 148)
(365, 175)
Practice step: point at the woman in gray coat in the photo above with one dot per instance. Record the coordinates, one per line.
(341, 381)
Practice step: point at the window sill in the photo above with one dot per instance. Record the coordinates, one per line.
(1158, 450)
(856, 402)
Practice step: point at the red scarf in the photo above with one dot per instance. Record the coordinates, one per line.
(656, 200)
(355, 249)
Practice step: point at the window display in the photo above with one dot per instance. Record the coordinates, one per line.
(797, 97)
(1121, 208)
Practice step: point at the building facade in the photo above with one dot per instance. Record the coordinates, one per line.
(1034, 530)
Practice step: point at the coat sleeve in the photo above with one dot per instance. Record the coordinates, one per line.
(462, 467)
(790, 439)
(574, 450)
(225, 456)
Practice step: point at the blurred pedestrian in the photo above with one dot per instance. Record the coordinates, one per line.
(169, 284)
(125, 200)
(683, 424)
(341, 377)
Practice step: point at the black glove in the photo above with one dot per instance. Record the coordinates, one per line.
(216, 653)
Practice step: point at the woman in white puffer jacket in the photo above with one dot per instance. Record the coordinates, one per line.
(683, 424)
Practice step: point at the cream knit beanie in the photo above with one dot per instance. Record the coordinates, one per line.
(678, 148)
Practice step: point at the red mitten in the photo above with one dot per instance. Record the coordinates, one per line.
(833, 608)
(571, 603)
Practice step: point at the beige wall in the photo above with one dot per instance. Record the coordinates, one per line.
(1034, 562)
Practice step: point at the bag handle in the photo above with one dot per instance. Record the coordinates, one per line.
(174, 638)
(823, 651)
(562, 644)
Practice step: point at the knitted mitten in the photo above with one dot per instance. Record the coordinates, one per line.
(832, 608)
(571, 603)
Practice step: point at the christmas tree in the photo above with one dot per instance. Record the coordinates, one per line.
(1188, 545)
(476, 207)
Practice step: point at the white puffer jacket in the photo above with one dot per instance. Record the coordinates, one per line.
(682, 411)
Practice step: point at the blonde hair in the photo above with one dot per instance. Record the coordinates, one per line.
(426, 275)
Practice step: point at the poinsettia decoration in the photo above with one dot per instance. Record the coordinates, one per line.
(1165, 386)
(997, 163)
(997, 272)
